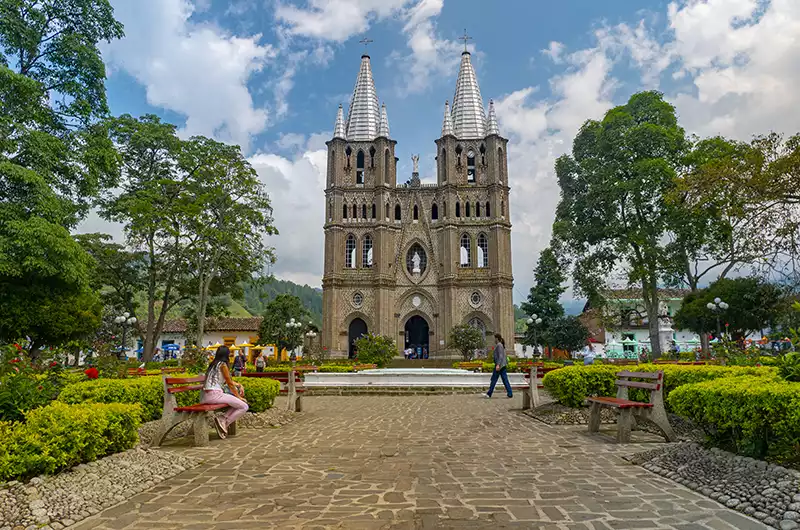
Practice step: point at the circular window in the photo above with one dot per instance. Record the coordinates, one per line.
(471, 153)
(475, 298)
(416, 260)
(358, 299)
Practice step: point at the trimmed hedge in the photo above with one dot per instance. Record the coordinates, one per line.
(753, 416)
(60, 436)
(571, 385)
(149, 393)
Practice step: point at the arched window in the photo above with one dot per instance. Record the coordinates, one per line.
(477, 209)
(477, 323)
(374, 211)
(331, 163)
(483, 154)
(387, 211)
(444, 165)
(466, 257)
(350, 252)
(386, 172)
(502, 208)
(416, 212)
(360, 167)
(372, 156)
(355, 212)
(466, 209)
(444, 209)
(488, 210)
(347, 153)
(397, 212)
(330, 210)
(344, 211)
(366, 252)
(363, 211)
(458, 156)
(470, 166)
(483, 251)
(458, 209)
(500, 165)
(434, 212)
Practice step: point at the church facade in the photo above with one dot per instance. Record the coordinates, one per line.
(411, 260)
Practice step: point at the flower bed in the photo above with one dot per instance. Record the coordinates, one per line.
(571, 385)
(60, 436)
(752, 416)
(149, 393)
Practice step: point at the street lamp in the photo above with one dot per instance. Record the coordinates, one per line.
(717, 307)
(533, 321)
(125, 320)
(292, 332)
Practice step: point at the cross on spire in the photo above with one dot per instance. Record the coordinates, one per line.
(366, 42)
(465, 38)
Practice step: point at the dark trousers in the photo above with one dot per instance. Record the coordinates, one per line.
(495, 376)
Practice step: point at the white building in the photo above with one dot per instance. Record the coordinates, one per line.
(222, 330)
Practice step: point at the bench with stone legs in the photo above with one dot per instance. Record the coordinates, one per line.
(198, 414)
(534, 376)
(283, 379)
(653, 410)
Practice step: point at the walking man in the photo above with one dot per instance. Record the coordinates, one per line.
(500, 363)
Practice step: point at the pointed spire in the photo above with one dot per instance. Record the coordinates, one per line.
(338, 129)
(491, 121)
(447, 123)
(363, 116)
(469, 118)
(383, 130)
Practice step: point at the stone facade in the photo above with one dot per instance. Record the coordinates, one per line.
(393, 252)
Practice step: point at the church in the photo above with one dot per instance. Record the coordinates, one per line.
(410, 260)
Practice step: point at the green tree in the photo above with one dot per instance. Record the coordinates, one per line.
(229, 227)
(753, 305)
(549, 278)
(375, 349)
(276, 314)
(613, 210)
(466, 339)
(567, 333)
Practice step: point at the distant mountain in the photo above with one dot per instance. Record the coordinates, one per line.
(258, 294)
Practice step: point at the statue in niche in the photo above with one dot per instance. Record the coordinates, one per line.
(415, 161)
(416, 261)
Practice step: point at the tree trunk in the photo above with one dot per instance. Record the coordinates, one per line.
(650, 296)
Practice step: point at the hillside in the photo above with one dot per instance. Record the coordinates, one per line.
(257, 296)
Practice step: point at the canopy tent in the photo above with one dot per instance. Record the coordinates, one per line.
(172, 347)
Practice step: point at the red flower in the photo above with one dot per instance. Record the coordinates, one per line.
(14, 360)
(18, 347)
(39, 387)
(92, 373)
(54, 363)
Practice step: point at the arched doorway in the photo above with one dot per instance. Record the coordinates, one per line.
(417, 335)
(357, 328)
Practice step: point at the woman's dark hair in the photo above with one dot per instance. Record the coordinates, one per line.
(223, 355)
(500, 339)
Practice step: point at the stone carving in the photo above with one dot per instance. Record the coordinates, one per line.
(415, 161)
(416, 260)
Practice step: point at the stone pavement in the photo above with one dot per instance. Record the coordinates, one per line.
(417, 462)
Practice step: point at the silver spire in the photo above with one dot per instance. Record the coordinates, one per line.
(338, 129)
(363, 116)
(469, 118)
(447, 123)
(383, 130)
(491, 121)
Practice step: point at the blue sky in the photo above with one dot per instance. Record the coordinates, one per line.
(269, 75)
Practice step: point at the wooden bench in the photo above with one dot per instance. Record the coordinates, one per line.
(535, 374)
(653, 410)
(471, 365)
(359, 367)
(173, 370)
(198, 413)
(622, 362)
(136, 372)
(680, 363)
(283, 379)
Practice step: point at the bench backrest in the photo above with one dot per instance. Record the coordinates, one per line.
(306, 368)
(173, 370)
(175, 385)
(281, 377)
(652, 381)
(470, 365)
(359, 367)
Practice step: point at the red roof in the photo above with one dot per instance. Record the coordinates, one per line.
(178, 325)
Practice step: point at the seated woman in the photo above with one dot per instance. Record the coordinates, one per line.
(217, 375)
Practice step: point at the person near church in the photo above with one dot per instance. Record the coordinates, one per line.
(218, 381)
(261, 362)
(588, 355)
(239, 364)
(500, 367)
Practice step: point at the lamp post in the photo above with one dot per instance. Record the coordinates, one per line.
(717, 307)
(292, 334)
(125, 320)
(533, 321)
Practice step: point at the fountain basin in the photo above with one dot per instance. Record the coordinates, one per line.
(407, 378)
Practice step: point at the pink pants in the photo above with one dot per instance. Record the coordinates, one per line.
(237, 406)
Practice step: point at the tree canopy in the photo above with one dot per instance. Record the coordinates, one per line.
(276, 314)
(466, 339)
(543, 298)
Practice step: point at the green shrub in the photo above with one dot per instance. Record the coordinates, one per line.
(789, 367)
(753, 416)
(571, 385)
(375, 349)
(148, 392)
(60, 436)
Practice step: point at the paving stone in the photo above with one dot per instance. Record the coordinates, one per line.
(415, 463)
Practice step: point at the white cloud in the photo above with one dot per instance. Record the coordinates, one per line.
(297, 190)
(554, 51)
(335, 20)
(199, 71)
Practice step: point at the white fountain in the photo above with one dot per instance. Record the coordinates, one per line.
(406, 377)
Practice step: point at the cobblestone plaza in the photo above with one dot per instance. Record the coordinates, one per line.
(409, 462)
